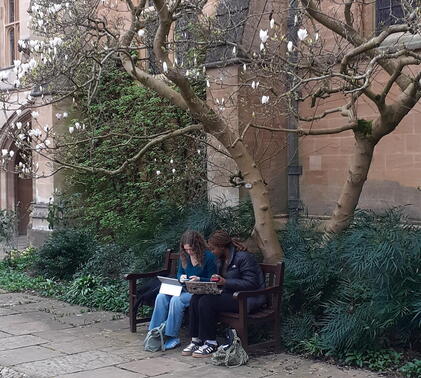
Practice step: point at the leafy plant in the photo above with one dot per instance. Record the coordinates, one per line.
(381, 360)
(64, 253)
(411, 369)
(358, 290)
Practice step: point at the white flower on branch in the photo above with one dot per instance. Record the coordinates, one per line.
(47, 142)
(141, 33)
(290, 46)
(302, 34)
(34, 115)
(59, 115)
(19, 112)
(263, 34)
(207, 83)
(18, 125)
(262, 46)
(272, 23)
(65, 115)
(265, 99)
(4, 152)
(173, 170)
(316, 36)
(165, 67)
(77, 125)
(4, 75)
(71, 129)
(11, 153)
(158, 173)
(171, 161)
(244, 67)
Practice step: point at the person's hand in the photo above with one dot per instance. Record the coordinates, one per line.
(194, 278)
(183, 278)
(220, 281)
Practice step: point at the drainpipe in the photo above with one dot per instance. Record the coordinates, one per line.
(294, 167)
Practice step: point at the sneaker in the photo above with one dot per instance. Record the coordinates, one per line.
(172, 343)
(189, 349)
(205, 350)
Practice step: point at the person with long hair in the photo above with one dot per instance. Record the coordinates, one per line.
(196, 263)
(237, 270)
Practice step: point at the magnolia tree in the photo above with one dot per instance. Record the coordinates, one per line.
(72, 45)
(323, 56)
(329, 58)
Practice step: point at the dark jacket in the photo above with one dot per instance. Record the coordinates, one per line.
(242, 273)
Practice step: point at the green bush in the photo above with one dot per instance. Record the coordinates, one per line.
(64, 253)
(411, 369)
(358, 290)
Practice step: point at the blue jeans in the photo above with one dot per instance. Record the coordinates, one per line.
(170, 309)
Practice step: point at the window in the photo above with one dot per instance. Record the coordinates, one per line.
(388, 12)
(11, 31)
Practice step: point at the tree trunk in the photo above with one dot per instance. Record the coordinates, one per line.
(264, 230)
(351, 191)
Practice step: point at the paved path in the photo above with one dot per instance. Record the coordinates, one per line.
(41, 337)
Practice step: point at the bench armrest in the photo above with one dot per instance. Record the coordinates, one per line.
(137, 276)
(238, 295)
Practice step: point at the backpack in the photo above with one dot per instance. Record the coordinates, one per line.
(147, 293)
(231, 354)
(154, 340)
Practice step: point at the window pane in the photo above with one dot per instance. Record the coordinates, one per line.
(12, 47)
(12, 16)
(388, 12)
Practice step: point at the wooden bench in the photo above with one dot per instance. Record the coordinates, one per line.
(270, 314)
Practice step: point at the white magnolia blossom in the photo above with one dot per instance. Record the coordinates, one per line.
(272, 23)
(208, 83)
(158, 173)
(47, 142)
(71, 129)
(265, 99)
(262, 46)
(141, 33)
(244, 67)
(4, 152)
(171, 161)
(59, 115)
(173, 170)
(290, 46)
(35, 114)
(19, 112)
(18, 125)
(4, 75)
(11, 153)
(77, 125)
(263, 34)
(302, 34)
(316, 36)
(65, 115)
(165, 67)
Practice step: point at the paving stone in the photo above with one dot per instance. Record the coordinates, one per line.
(11, 299)
(131, 352)
(70, 333)
(27, 354)
(217, 371)
(7, 311)
(156, 366)
(31, 327)
(108, 372)
(84, 343)
(114, 325)
(14, 342)
(70, 364)
(4, 334)
(10, 373)
(88, 318)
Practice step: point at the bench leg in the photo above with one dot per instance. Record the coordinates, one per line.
(243, 334)
(132, 301)
(276, 333)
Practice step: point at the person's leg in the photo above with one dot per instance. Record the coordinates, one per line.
(194, 316)
(160, 311)
(175, 319)
(209, 308)
(193, 327)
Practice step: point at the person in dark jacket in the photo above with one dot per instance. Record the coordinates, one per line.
(237, 270)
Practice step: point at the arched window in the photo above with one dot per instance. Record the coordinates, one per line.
(11, 31)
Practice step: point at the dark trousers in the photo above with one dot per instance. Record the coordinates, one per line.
(204, 310)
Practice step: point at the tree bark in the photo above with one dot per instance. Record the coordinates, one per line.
(351, 191)
(264, 229)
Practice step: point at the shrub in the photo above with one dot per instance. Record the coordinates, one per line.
(411, 369)
(64, 253)
(357, 290)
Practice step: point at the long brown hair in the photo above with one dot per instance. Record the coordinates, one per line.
(198, 244)
(221, 239)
